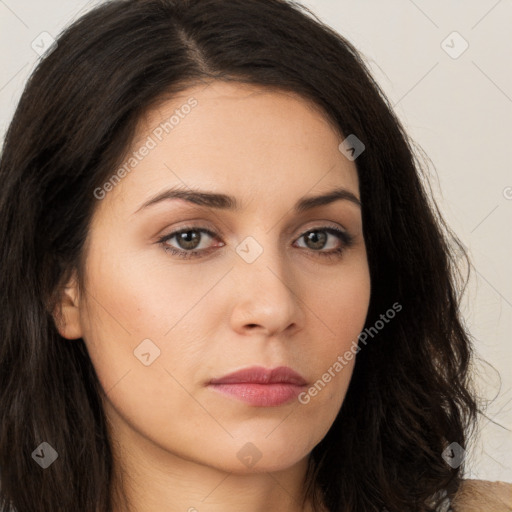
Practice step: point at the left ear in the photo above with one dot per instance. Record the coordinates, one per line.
(67, 311)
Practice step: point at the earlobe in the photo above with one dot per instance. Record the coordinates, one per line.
(67, 312)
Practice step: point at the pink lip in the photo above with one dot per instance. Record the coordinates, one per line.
(260, 386)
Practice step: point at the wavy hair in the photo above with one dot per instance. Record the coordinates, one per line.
(411, 392)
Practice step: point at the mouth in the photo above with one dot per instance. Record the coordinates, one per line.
(260, 386)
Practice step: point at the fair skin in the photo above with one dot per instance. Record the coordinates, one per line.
(175, 437)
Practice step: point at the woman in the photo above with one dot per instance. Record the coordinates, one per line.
(224, 286)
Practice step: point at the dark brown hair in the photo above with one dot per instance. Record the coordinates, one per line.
(410, 394)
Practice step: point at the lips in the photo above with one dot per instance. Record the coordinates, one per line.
(261, 387)
(261, 375)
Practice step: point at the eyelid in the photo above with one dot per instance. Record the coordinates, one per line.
(322, 224)
(218, 233)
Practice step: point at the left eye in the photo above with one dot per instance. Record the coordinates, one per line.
(187, 241)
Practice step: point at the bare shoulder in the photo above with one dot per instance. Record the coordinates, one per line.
(483, 496)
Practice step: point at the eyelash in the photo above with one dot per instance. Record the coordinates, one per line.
(346, 238)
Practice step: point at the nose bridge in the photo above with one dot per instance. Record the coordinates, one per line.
(266, 296)
(262, 257)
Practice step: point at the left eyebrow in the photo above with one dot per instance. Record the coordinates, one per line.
(226, 202)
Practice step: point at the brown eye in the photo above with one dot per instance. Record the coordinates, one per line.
(187, 239)
(316, 240)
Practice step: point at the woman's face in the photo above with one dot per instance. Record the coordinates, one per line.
(259, 291)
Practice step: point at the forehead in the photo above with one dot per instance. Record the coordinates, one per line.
(245, 140)
(242, 100)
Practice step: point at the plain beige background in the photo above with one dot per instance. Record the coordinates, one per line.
(446, 67)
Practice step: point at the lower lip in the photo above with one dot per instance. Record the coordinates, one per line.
(263, 395)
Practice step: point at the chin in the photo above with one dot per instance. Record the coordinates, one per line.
(261, 455)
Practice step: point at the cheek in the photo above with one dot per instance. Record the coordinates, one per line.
(341, 311)
(132, 316)
(143, 373)
(135, 297)
(341, 305)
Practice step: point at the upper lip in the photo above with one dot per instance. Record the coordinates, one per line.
(261, 375)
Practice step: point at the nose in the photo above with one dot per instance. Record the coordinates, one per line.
(267, 297)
